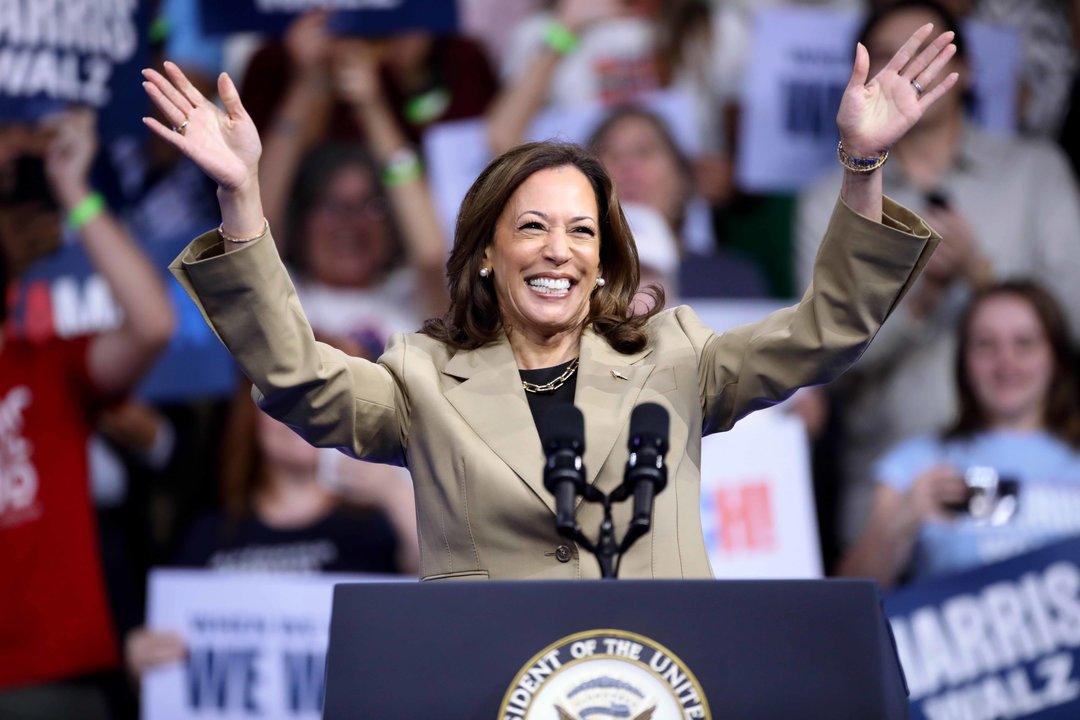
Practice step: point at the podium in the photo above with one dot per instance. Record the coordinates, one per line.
(507, 650)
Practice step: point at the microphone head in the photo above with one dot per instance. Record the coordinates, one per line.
(649, 425)
(563, 426)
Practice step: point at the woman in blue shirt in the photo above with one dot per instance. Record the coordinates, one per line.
(1019, 416)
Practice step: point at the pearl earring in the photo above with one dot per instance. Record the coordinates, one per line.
(601, 282)
(484, 272)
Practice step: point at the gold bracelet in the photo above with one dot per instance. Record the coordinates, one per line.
(230, 238)
(857, 164)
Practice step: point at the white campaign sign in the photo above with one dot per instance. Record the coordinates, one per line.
(800, 62)
(256, 644)
(757, 505)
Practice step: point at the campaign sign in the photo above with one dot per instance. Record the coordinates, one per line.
(1001, 641)
(757, 501)
(256, 644)
(351, 17)
(800, 63)
(55, 53)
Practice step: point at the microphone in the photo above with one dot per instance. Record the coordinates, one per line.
(562, 433)
(646, 474)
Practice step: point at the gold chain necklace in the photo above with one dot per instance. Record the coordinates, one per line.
(554, 384)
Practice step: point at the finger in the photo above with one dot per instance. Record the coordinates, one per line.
(230, 96)
(167, 90)
(908, 49)
(929, 54)
(943, 87)
(927, 76)
(168, 108)
(167, 134)
(184, 85)
(861, 68)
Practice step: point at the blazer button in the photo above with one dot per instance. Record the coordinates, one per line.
(563, 554)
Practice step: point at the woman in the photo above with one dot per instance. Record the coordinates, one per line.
(1018, 415)
(541, 276)
(356, 222)
(281, 516)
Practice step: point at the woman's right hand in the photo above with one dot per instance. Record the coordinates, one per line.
(935, 491)
(224, 144)
(146, 649)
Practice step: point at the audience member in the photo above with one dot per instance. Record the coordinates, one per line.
(50, 394)
(1006, 207)
(613, 52)
(425, 78)
(347, 224)
(1018, 415)
(647, 166)
(282, 512)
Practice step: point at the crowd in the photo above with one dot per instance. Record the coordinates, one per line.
(101, 480)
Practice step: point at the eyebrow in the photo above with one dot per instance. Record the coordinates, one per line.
(544, 215)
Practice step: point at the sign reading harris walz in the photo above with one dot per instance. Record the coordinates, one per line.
(356, 17)
(72, 52)
(1002, 641)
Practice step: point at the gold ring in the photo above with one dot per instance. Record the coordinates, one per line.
(180, 128)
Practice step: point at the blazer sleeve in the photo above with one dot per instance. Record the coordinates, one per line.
(861, 272)
(331, 398)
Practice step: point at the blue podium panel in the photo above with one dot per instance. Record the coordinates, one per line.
(535, 650)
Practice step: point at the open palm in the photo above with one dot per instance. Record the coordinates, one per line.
(873, 115)
(224, 144)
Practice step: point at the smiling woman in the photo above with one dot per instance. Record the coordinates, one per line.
(1018, 418)
(541, 278)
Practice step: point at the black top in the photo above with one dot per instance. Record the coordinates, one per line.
(540, 403)
(347, 539)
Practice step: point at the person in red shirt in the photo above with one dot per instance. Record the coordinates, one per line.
(55, 625)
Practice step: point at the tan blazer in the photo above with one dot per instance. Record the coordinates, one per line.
(460, 421)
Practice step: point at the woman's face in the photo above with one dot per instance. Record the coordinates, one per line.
(545, 255)
(642, 167)
(1010, 362)
(281, 446)
(347, 235)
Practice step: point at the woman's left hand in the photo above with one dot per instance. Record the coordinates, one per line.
(874, 115)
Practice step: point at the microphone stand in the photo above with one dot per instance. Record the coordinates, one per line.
(607, 548)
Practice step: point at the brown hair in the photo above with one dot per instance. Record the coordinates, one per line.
(1062, 415)
(473, 318)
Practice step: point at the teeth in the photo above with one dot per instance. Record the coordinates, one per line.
(549, 284)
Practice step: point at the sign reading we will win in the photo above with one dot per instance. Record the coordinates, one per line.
(1002, 641)
(256, 644)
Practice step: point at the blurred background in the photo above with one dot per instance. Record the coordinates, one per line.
(715, 119)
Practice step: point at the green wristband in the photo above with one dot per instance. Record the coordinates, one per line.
(559, 37)
(86, 210)
(403, 167)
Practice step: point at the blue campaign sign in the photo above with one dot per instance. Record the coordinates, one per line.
(352, 17)
(73, 52)
(1002, 641)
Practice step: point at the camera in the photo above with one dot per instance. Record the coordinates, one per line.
(991, 498)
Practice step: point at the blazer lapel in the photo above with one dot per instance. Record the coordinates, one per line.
(608, 387)
(493, 403)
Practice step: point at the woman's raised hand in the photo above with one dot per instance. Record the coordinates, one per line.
(224, 144)
(873, 115)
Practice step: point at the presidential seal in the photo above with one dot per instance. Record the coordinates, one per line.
(604, 675)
